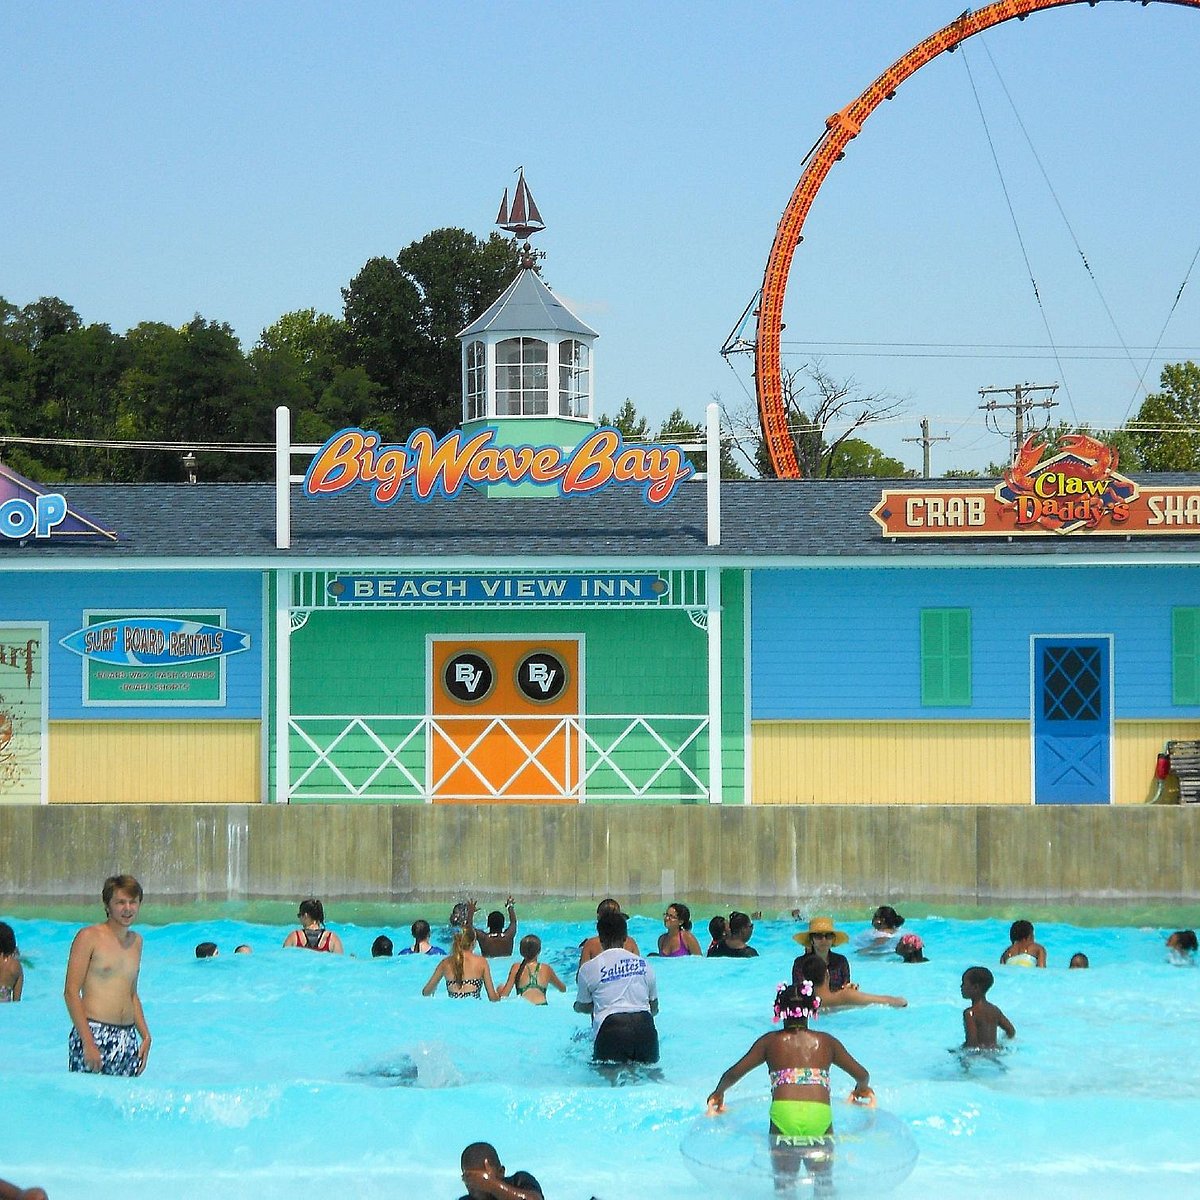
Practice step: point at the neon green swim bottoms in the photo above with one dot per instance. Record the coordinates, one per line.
(801, 1118)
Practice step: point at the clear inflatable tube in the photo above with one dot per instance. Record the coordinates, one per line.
(731, 1155)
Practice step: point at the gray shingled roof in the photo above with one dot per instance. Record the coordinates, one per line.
(762, 522)
(527, 305)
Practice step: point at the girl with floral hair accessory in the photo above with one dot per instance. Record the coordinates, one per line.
(798, 1059)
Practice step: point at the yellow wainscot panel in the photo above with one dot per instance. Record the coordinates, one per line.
(891, 762)
(155, 762)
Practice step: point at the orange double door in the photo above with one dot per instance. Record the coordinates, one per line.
(505, 720)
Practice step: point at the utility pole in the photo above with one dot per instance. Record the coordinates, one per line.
(926, 441)
(1021, 404)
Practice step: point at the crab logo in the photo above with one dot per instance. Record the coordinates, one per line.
(1077, 488)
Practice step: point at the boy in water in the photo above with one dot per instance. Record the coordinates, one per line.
(982, 1018)
(1024, 951)
(101, 988)
(484, 1178)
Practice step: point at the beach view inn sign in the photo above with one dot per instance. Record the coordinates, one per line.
(1075, 489)
(431, 466)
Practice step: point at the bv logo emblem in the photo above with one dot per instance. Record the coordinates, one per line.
(541, 676)
(469, 677)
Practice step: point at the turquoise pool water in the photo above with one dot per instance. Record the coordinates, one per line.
(286, 1075)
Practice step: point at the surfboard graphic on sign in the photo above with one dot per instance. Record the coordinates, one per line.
(154, 641)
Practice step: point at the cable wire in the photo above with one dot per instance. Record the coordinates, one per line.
(1016, 225)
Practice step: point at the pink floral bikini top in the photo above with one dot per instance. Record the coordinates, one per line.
(800, 1077)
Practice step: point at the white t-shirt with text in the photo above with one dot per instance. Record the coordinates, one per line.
(616, 981)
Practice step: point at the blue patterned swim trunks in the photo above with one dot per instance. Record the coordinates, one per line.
(118, 1049)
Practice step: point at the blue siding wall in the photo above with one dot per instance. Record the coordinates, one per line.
(61, 599)
(845, 644)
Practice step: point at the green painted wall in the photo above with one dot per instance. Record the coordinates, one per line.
(635, 661)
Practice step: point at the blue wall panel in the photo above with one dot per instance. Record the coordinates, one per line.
(844, 644)
(61, 599)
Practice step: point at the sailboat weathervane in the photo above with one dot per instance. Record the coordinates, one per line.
(522, 220)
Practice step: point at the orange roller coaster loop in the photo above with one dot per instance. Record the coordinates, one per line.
(839, 130)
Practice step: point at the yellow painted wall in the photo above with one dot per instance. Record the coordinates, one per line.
(929, 762)
(154, 762)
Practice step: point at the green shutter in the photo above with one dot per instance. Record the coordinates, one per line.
(946, 657)
(1185, 656)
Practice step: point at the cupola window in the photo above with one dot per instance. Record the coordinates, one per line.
(522, 378)
(574, 378)
(476, 399)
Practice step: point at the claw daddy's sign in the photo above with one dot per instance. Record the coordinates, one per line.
(1071, 487)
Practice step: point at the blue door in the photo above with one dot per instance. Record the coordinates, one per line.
(1072, 753)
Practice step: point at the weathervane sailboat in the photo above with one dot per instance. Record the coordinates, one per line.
(523, 219)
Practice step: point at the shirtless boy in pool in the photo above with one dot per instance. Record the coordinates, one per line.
(101, 988)
(982, 1019)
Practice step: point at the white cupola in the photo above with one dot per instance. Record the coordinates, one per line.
(527, 365)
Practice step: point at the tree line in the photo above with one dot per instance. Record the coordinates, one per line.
(391, 363)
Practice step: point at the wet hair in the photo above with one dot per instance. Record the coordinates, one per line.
(464, 939)
(889, 916)
(739, 924)
(1185, 940)
(980, 979)
(1079, 960)
(120, 883)
(685, 914)
(796, 1003)
(458, 914)
(206, 950)
(613, 929)
(244, 948)
(8, 939)
(381, 947)
(480, 1154)
(814, 968)
(1018, 931)
(717, 928)
(313, 908)
(608, 904)
(495, 921)
(420, 931)
(531, 947)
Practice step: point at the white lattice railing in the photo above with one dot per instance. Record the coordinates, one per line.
(601, 757)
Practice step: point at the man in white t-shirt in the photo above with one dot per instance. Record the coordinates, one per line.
(619, 991)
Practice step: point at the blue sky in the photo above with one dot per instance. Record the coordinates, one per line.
(244, 160)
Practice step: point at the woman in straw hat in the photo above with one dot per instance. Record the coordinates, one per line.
(819, 938)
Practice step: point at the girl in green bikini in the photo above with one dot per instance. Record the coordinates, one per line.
(529, 978)
(798, 1059)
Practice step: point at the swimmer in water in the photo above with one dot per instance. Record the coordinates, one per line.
(530, 978)
(798, 1059)
(10, 1191)
(1024, 951)
(981, 1019)
(1181, 947)
(12, 974)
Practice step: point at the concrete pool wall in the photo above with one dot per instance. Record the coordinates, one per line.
(746, 856)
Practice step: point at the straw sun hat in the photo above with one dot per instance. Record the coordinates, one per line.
(821, 925)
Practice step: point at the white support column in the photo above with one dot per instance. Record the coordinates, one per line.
(283, 478)
(712, 587)
(713, 473)
(283, 685)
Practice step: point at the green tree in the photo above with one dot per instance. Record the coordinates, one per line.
(403, 316)
(1166, 430)
(632, 425)
(856, 459)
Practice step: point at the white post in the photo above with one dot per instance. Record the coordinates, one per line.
(712, 588)
(713, 472)
(283, 685)
(283, 478)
